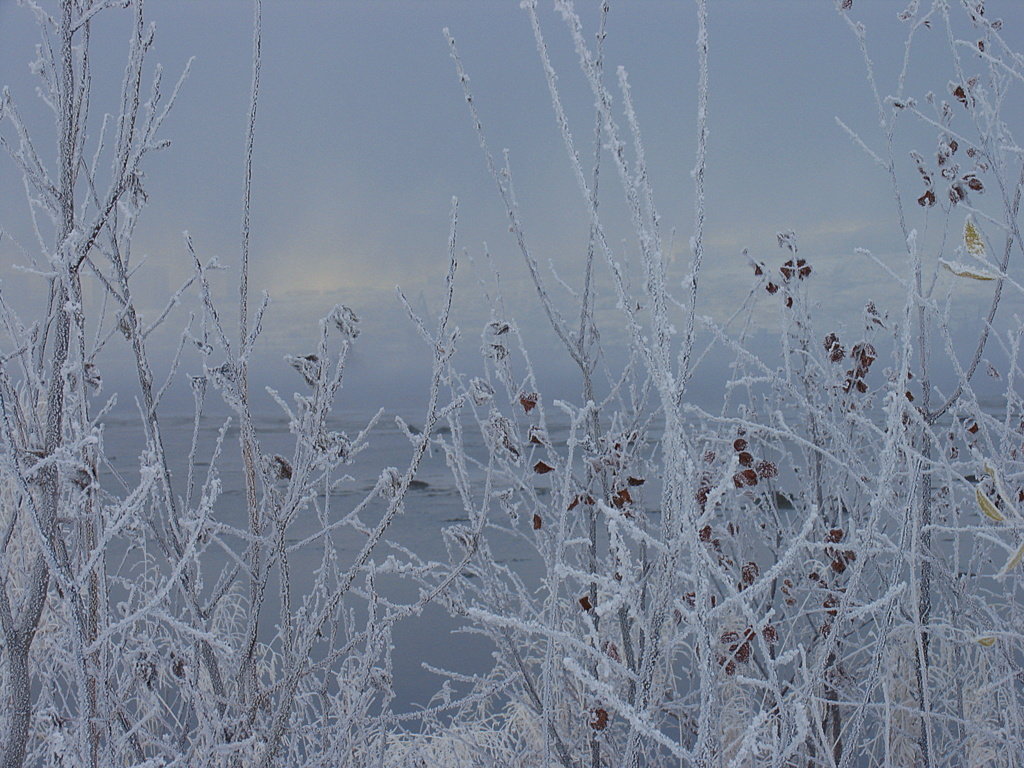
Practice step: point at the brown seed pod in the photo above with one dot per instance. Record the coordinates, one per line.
(750, 571)
(747, 477)
(701, 496)
(742, 653)
(830, 604)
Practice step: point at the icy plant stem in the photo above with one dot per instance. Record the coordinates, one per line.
(248, 437)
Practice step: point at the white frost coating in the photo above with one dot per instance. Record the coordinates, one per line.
(804, 573)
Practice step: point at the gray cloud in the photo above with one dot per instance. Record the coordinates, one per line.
(363, 138)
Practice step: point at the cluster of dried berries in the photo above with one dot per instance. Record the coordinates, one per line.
(958, 182)
(749, 477)
(739, 646)
(798, 267)
(748, 575)
(740, 446)
(738, 651)
(707, 536)
(836, 351)
(863, 355)
(840, 558)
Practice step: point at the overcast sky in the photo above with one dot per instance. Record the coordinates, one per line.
(363, 138)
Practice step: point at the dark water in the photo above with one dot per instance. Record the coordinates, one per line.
(431, 504)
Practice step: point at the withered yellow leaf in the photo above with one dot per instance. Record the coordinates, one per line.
(999, 487)
(961, 270)
(1014, 561)
(988, 641)
(987, 506)
(972, 239)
